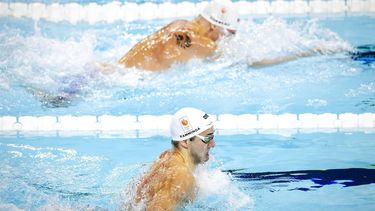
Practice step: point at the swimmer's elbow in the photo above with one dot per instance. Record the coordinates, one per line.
(124, 61)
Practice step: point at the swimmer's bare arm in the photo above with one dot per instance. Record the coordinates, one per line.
(178, 188)
(287, 58)
(282, 59)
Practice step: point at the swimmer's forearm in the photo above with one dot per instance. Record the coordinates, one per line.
(267, 62)
(279, 60)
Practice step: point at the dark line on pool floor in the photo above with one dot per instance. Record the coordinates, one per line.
(347, 177)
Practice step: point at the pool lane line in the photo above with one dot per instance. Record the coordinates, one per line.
(346, 177)
(116, 11)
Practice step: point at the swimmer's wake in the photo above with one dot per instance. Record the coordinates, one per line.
(51, 100)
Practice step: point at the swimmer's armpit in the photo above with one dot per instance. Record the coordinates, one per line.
(183, 40)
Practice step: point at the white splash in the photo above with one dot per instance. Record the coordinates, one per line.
(216, 185)
(276, 38)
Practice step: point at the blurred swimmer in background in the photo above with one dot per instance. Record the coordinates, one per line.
(182, 40)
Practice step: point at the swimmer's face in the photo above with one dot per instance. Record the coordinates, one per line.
(198, 149)
(215, 32)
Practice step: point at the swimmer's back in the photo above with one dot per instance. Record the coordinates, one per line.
(179, 41)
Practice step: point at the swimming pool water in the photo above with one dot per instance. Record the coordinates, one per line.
(269, 172)
(302, 170)
(57, 58)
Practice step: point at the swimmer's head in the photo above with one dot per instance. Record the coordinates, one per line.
(221, 13)
(189, 122)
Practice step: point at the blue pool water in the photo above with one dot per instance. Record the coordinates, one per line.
(269, 172)
(298, 171)
(57, 58)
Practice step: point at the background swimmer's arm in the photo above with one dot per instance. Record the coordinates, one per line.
(175, 191)
(279, 60)
(310, 52)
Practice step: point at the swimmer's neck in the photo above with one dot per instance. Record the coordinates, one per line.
(185, 157)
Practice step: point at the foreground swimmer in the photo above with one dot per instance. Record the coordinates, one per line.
(182, 40)
(170, 181)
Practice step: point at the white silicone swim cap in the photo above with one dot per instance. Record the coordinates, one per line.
(221, 13)
(188, 122)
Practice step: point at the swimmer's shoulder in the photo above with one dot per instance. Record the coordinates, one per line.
(179, 26)
(165, 154)
(179, 23)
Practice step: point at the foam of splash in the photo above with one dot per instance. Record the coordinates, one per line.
(128, 194)
(218, 191)
(38, 60)
(275, 38)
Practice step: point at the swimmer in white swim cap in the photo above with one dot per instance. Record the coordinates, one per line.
(170, 181)
(183, 40)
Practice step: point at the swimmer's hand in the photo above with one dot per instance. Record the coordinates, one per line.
(105, 69)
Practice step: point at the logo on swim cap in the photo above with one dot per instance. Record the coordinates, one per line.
(184, 122)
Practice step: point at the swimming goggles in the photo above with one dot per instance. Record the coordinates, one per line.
(206, 139)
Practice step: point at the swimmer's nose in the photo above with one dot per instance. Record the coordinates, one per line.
(212, 143)
(231, 31)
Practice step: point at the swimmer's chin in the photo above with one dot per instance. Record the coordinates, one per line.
(207, 157)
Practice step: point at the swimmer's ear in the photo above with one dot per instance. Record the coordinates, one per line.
(184, 144)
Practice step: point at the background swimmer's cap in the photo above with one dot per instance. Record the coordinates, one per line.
(188, 122)
(221, 13)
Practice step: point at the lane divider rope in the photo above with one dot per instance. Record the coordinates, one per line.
(161, 122)
(117, 11)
